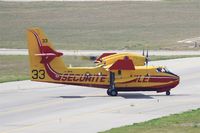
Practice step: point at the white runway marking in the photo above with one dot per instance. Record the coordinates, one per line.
(31, 107)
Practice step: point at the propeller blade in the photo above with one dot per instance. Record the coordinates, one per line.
(146, 61)
(147, 53)
(147, 57)
(143, 52)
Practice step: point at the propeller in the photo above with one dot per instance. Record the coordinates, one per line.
(143, 52)
(146, 57)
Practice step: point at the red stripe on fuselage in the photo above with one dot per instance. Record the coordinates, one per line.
(150, 79)
(161, 79)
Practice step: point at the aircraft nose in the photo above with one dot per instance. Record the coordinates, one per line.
(177, 77)
(175, 81)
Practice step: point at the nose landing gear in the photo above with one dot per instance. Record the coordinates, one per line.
(168, 93)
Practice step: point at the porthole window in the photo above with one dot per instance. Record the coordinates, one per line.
(119, 72)
(87, 74)
(100, 74)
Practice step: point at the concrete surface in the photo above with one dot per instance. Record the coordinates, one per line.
(31, 107)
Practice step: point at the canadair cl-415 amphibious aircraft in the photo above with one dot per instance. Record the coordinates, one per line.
(114, 72)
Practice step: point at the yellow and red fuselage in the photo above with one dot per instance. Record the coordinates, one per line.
(46, 65)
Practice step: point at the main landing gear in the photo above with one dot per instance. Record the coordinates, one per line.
(168, 93)
(112, 91)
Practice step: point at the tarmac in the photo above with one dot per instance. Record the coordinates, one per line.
(32, 107)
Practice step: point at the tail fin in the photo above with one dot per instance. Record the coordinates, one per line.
(42, 56)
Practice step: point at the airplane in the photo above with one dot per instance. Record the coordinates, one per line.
(113, 71)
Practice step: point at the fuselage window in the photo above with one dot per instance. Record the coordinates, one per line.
(119, 72)
(87, 74)
(100, 74)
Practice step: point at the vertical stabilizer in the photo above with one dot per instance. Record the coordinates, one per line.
(46, 63)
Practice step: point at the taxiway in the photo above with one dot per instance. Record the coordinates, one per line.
(30, 107)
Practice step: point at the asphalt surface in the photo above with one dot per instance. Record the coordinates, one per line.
(4, 51)
(32, 107)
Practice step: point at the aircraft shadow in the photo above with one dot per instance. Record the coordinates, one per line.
(172, 95)
(124, 95)
(135, 96)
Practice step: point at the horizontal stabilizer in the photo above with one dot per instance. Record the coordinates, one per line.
(48, 54)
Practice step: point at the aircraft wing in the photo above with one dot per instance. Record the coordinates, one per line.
(107, 59)
(121, 64)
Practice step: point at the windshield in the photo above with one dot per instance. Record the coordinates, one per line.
(163, 70)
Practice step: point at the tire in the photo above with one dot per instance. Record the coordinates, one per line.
(167, 93)
(108, 92)
(113, 93)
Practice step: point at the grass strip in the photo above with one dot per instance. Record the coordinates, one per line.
(187, 122)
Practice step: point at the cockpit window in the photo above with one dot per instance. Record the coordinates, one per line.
(162, 70)
(166, 70)
(158, 69)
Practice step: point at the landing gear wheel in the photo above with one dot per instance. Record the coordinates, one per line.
(111, 92)
(108, 92)
(167, 93)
